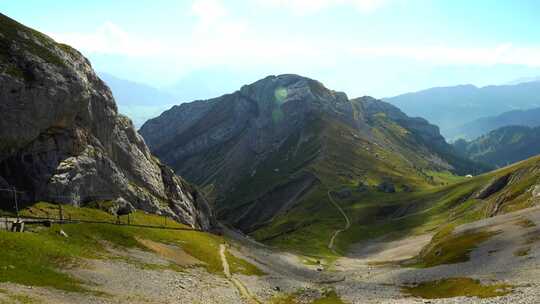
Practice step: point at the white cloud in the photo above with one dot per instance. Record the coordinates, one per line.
(208, 11)
(109, 38)
(218, 37)
(444, 55)
(230, 41)
(311, 6)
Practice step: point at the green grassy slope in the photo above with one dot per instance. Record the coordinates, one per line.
(439, 198)
(347, 161)
(37, 258)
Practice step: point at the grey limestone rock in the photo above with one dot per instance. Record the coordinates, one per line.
(63, 140)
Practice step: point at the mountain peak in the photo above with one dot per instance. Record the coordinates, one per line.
(283, 136)
(289, 87)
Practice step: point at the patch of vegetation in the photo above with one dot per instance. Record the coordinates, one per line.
(522, 252)
(449, 248)
(329, 297)
(283, 299)
(525, 223)
(532, 237)
(52, 211)
(313, 261)
(457, 287)
(33, 259)
(20, 299)
(444, 177)
(241, 266)
(36, 43)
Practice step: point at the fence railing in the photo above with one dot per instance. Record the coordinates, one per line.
(7, 222)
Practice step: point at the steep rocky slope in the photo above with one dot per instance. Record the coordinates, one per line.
(502, 146)
(62, 139)
(285, 140)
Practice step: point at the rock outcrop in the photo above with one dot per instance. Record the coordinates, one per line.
(536, 194)
(494, 186)
(62, 139)
(386, 187)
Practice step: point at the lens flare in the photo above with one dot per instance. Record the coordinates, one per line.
(280, 95)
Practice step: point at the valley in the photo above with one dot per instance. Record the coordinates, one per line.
(282, 192)
(451, 245)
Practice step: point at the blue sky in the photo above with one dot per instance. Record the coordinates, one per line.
(363, 47)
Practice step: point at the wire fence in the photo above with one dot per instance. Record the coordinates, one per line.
(60, 216)
(7, 223)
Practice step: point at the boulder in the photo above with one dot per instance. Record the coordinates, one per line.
(536, 194)
(407, 188)
(3, 183)
(386, 187)
(361, 188)
(343, 193)
(119, 206)
(493, 187)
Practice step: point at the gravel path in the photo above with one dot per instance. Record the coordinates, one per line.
(236, 282)
(337, 232)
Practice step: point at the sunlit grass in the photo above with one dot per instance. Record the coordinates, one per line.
(457, 287)
(37, 258)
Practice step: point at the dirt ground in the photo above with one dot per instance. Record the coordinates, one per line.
(363, 276)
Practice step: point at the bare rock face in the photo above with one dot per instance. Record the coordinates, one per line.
(62, 139)
(536, 194)
(494, 186)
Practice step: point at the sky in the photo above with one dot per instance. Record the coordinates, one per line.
(362, 47)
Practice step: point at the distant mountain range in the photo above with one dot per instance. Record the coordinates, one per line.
(524, 80)
(452, 107)
(482, 126)
(209, 83)
(502, 146)
(138, 101)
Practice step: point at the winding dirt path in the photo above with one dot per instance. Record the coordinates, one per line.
(244, 292)
(337, 232)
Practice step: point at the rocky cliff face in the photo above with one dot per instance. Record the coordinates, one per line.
(262, 149)
(62, 139)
